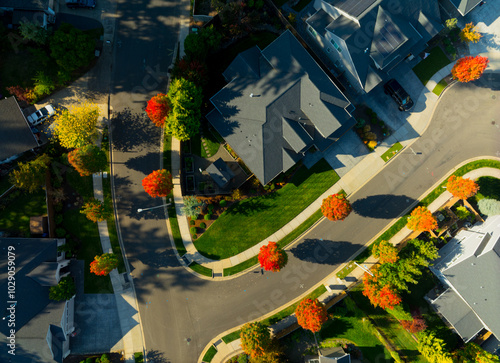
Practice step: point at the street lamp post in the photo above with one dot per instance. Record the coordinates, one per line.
(158, 206)
(363, 268)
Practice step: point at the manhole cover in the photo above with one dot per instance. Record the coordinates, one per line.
(493, 97)
(492, 122)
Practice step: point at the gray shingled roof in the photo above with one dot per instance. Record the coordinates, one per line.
(15, 134)
(35, 312)
(380, 33)
(464, 6)
(470, 263)
(220, 172)
(25, 4)
(270, 114)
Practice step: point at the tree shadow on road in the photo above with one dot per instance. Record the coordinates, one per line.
(156, 356)
(384, 206)
(324, 252)
(133, 131)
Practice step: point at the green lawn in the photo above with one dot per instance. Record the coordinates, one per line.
(392, 329)
(251, 220)
(202, 270)
(431, 65)
(176, 233)
(113, 235)
(15, 218)
(358, 331)
(210, 140)
(209, 355)
(440, 87)
(392, 151)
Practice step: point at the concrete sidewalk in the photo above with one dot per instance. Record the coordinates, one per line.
(356, 177)
(332, 283)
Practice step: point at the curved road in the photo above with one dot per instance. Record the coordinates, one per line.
(182, 313)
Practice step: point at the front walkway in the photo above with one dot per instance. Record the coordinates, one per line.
(353, 176)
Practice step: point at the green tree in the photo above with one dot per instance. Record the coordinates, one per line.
(88, 159)
(76, 127)
(255, 339)
(192, 207)
(34, 32)
(385, 252)
(43, 85)
(97, 211)
(433, 348)
(30, 176)
(183, 121)
(199, 45)
(64, 290)
(71, 47)
(473, 353)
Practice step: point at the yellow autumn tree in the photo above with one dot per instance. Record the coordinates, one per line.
(76, 126)
(470, 34)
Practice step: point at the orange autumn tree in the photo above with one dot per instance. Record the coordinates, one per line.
(469, 34)
(461, 187)
(255, 339)
(158, 109)
(311, 314)
(421, 219)
(158, 183)
(469, 68)
(336, 207)
(385, 252)
(417, 324)
(384, 296)
(272, 258)
(104, 264)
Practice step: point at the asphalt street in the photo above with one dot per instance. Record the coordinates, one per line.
(182, 313)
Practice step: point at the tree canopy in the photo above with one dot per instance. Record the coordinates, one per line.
(192, 206)
(88, 159)
(30, 176)
(183, 121)
(76, 126)
(470, 34)
(255, 339)
(336, 207)
(104, 264)
(97, 211)
(64, 290)
(385, 252)
(158, 109)
(461, 187)
(384, 296)
(33, 32)
(311, 314)
(272, 258)
(433, 348)
(421, 219)
(199, 45)
(158, 183)
(71, 47)
(468, 69)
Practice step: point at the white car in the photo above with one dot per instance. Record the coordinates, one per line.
(41, 115)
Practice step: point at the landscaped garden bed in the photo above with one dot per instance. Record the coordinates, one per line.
(370, 128)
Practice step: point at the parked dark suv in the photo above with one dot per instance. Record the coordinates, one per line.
(89, 4)
(397, 92)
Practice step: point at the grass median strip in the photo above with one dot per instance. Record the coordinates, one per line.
(397, 147)
(210, 354)
(440, 87)
(254, 219)
(202, 270)
(428, 199)
(176, 233)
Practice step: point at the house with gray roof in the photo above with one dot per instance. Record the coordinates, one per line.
(16, 136)
(365, 39)
(277, 105)
(464, 6)
(36, 328)
(36, 11)
(468, 268)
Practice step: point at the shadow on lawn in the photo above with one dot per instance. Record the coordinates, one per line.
(383, 206)
(251, 206)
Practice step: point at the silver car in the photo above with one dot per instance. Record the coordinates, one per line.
(41, 115)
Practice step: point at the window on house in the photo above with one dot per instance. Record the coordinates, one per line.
(312, 31)
(335, 45)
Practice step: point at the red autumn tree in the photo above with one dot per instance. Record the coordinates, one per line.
(336, 207)
(192, 70)
(311, 314)
(104, 264)
(23, 95)
(384, 296)
(272, 258)
(88, 160)
(385, 252)
(462, 188)
(158, 109)
(469, 68)
(158, 183)
(255, 339)
(417, 324)
(421, 219)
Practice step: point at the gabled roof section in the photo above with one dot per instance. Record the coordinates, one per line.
(354, 8)
(464, 6)
(45, 274)
(15, 134)
(220, 172)
(272, 114)
(470, 263)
